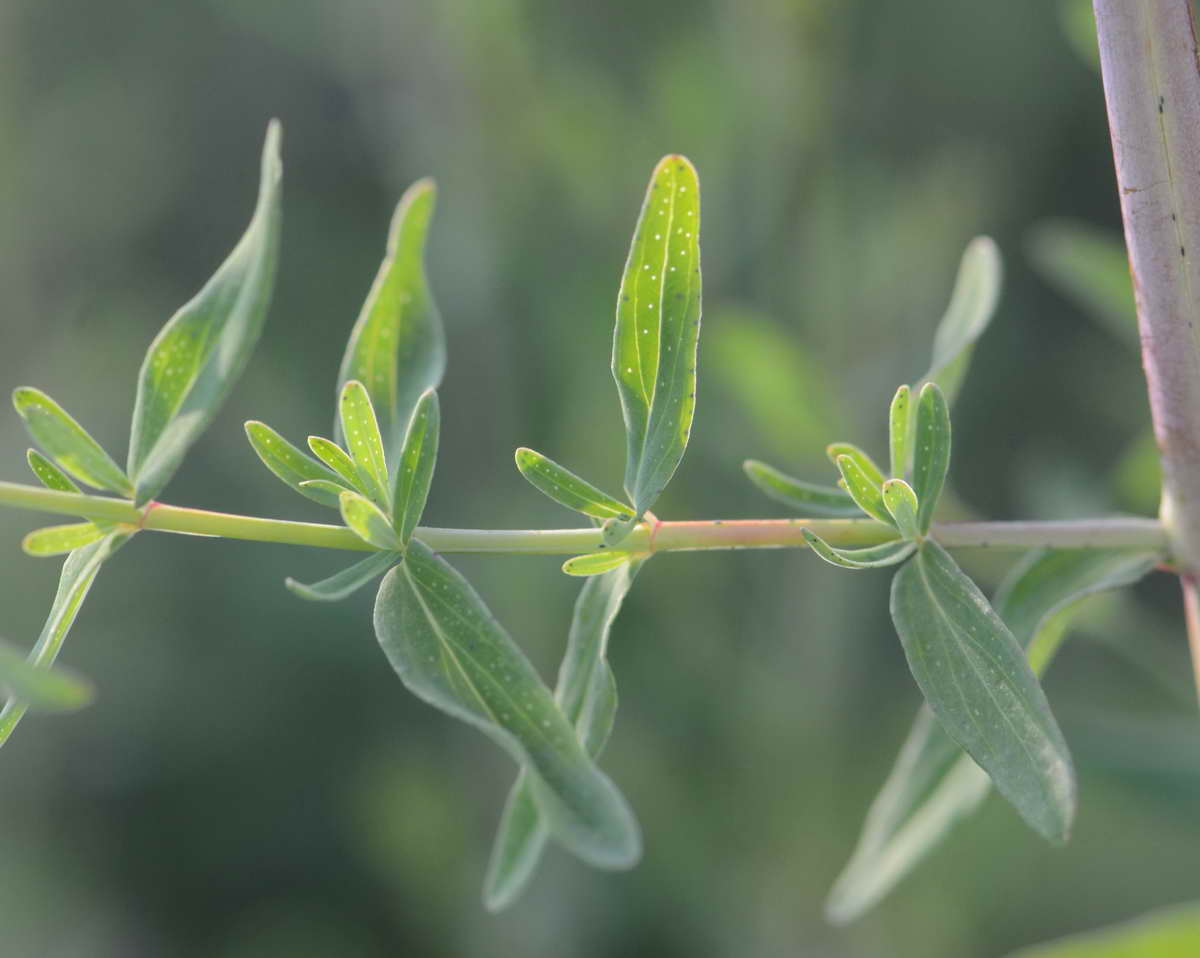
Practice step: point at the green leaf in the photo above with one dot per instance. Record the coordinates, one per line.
(1172, 932)
(587, 693)
(337, 459)
(43, 689)
(972, 305)
(864, 462)
(567, 489)
(293, 466)
(367, 521)
(658, 329)
(327, 489)
(78, 572)
(931, 453)
(67, 442)
(863, 489)
(805, 497)
(348, 581)
(56, 540)
(397, 349)
(48, 474)
(364, 442)
(448, 649)
(934, 785)
(414, 470)
(872, 557)
(595, 563)
(899, 432)
(195, 360)
(901, 503)
(974, 676)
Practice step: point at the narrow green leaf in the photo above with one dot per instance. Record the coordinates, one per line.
(78, 572)
(863, 489)
(901, 504)
(595, 563)
(1172, 932)
(567, 489)
(805, 497)
(872, 557)
(337, 459)
(397, 349)
(197, 357)
(293, 466)
(48, 474)
(367, 521)
(899, 433)
(67, 442)
(348, 581)
(974, 676)
(414, 468)
(658, 329)
(43, 689)
(448, 649)
(931, 452)
(972, 305)
(934, 785)
(865, 463)
(364, 442)
(587, 693)
(327, 489)
(56, 540)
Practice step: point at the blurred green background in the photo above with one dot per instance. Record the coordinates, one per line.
(254, 781)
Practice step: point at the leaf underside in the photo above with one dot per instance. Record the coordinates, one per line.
(805, 497)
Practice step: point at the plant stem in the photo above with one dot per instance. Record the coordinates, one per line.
(1152, 88)
(659, 537)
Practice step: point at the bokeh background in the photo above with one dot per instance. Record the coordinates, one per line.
(254, 781)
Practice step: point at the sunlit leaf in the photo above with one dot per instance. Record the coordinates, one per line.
(567, 489)
(594, 563)
(864, 462)
(863, 489)
(293, 466)
(933, 784)
(41, 689)
(901, 503)
(397, 349)
(975, 677)
(587, 693)
(1165, 933)
(657, 330)
(195, 360)
(57, 540)
(805, 497)
(364, 441)
(337, 459)
(931, 452)
(872, 557)
(345, 583)
(414, 466)
(899, 432)
(327, 489)
(78, 572)
(48, 474)
(367, 521)
(449, 650)
(67, 442)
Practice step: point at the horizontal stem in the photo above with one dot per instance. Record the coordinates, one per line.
(648, 537)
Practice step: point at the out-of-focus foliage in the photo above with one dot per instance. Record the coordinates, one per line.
(251, 781)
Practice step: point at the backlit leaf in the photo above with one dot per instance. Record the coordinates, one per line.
(805, 497)
(291, 465)
(195, 360)
(865, 463)
(48, 474)
(345, 583)
(367, 521)
(975, 677)
(872, 557)
(414, 467)
(931, 452)
(337, 459)
(594, 563)
(567, 489)
(364, 442)
(658, 329)
(863, 489)
(1165, 933)
(397, 349)
(448, 649)
(56, 540)
(899, 432)
(587, 693)
(67, 442)
(901, 504)
(44, 689)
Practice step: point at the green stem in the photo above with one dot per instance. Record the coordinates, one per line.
(648, 537)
